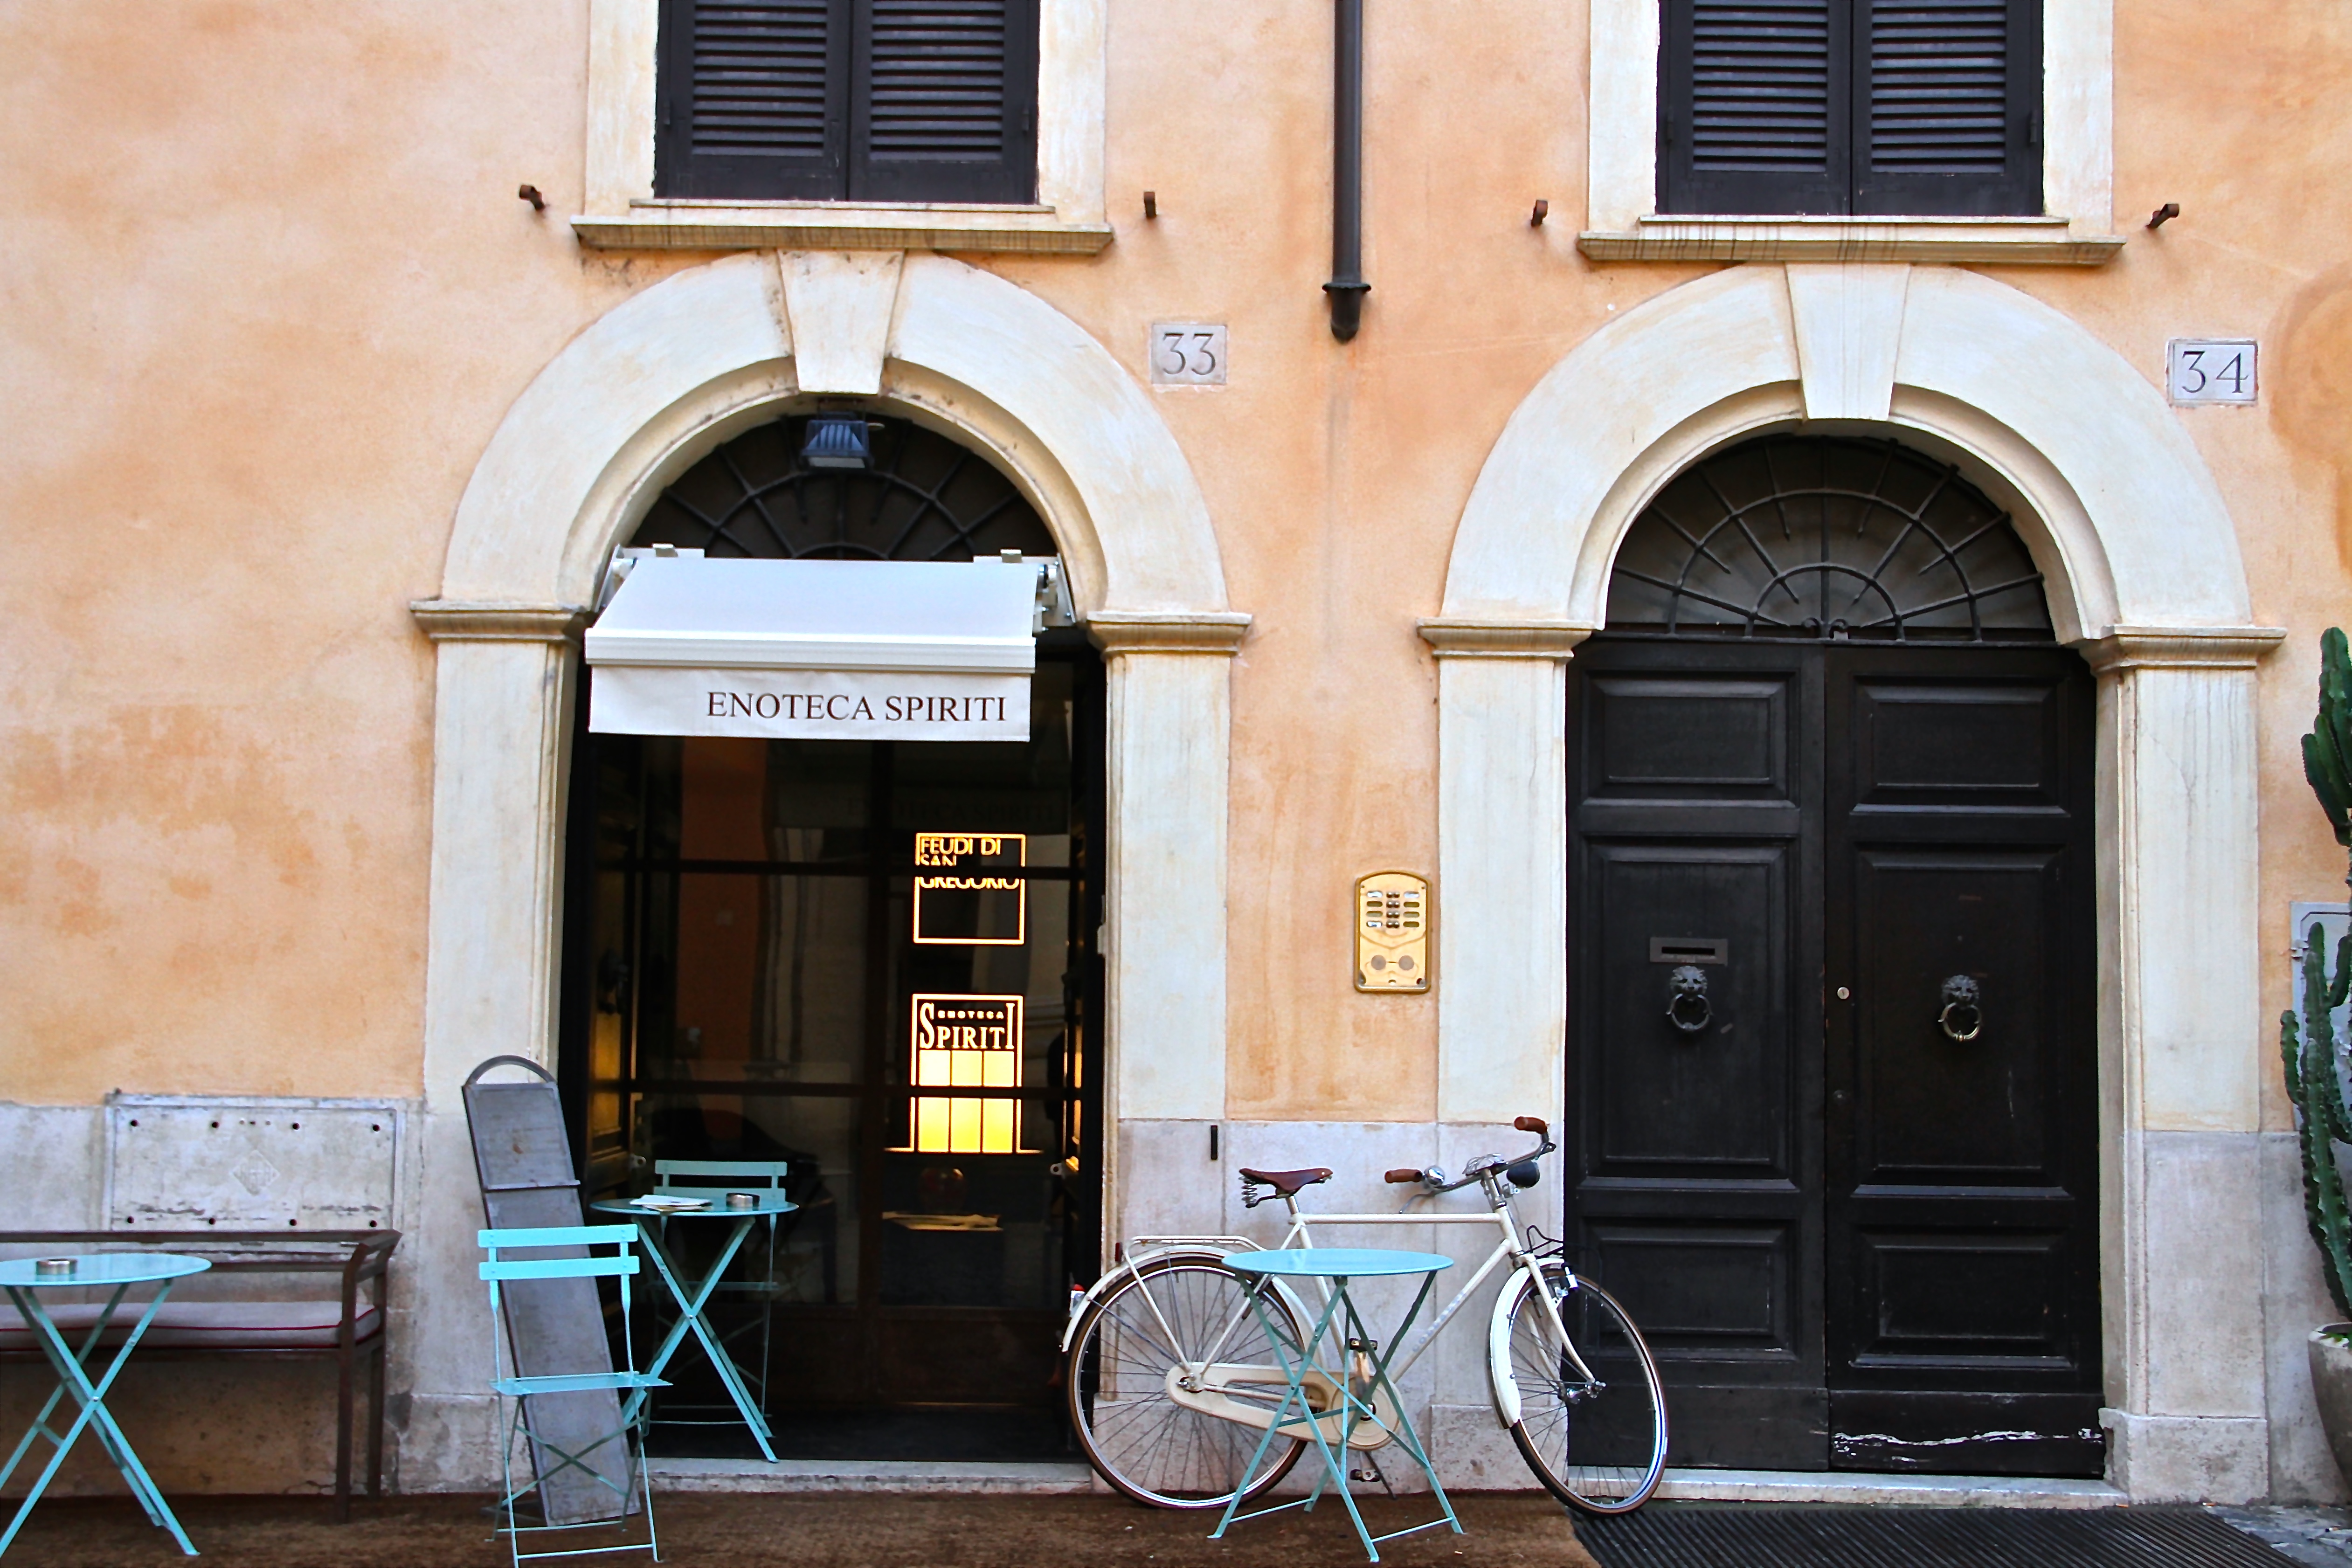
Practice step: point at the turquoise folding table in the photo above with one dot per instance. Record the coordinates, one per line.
(694, 1299)
(24, 1280)
(1361, 1387)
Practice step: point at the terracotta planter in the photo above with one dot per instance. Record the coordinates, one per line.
(2331, 1381)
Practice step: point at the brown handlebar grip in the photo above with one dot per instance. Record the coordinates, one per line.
(1400, 1177)
(1535, 1124)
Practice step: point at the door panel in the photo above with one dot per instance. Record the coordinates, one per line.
(1690, 737)
(1853, 1238)
(1960, 1202)
(1978, 1434)
(1962, 744)
(1696, 1154)
(1932, 1108)
(1726, 1291)
(1716, 1100)
(1942, 1294)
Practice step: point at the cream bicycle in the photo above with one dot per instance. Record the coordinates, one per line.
(1172, 1382)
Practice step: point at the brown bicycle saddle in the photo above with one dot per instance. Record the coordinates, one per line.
(1288, 1183)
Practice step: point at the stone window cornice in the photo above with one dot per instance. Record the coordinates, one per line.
(620, 211)
(1622, 223)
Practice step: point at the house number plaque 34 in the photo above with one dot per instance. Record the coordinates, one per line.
(2209, 369)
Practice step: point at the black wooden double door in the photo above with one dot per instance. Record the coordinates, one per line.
(1832, 1091)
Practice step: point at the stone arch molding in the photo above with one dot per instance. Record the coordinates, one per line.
(2144, 576)
(666, 376)
(627, 405)
(2126, 521)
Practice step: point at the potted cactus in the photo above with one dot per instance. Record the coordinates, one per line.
(2316, 1060)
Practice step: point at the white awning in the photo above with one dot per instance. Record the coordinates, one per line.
(847, 650)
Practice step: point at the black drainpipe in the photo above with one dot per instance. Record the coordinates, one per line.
(1347, 287)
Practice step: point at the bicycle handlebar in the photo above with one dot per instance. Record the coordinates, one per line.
(1485, 1165)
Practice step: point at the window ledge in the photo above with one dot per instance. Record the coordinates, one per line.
(2041, 241)
(839, 226)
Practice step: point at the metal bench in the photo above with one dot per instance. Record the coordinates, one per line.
(314, 1327)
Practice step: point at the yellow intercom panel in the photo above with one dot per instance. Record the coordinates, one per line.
(1393, 916)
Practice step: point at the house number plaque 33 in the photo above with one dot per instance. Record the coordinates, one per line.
(1187, 354)
(1392, 914)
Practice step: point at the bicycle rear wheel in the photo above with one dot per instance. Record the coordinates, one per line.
(1597, 1442)
(1187, 1311)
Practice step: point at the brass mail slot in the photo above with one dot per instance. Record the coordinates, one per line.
(1690, 950)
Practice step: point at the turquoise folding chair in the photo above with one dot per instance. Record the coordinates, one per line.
(628, 1386)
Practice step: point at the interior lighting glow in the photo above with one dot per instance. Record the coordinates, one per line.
(965, 1043)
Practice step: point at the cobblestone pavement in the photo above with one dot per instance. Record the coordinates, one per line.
(869, 1531)
(806, 1531)
(2315, 1537)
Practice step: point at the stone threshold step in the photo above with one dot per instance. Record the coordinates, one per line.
(1861, 1488)
(916, 1476)
(909, 1476)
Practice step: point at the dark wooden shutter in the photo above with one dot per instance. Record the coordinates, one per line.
(1948, 107)
(944, 102)
(753, 98)
(1752, 111)
(1836, 106)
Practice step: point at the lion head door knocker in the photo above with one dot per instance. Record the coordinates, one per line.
(1963, 1016)
(1687, 1007)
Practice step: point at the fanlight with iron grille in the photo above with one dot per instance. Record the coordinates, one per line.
(925, 498)
(1826, 537)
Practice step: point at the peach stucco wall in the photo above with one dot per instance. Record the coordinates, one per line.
(269, 290)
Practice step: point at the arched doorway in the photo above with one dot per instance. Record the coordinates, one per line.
(747, 971)
(641, 394)
(1833, 1054)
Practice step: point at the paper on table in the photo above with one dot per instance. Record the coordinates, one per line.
(915, 1221)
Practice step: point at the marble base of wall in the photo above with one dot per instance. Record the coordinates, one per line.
(59, 1152)
(2233, 1289)
(2187, 1458)
(257, 1427)
(213, 1426)
(2294, 1302)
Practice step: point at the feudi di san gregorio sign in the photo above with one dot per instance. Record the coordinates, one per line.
(820, 649)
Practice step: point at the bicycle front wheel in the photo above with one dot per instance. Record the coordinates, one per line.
(1595, 1433)
(1180, 1324)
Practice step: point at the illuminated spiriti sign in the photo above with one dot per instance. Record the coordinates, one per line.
(966, 1043)
(961, 894)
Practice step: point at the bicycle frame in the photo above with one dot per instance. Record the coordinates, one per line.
(1487, 1171)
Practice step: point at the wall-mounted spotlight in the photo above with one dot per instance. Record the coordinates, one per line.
(837, 440)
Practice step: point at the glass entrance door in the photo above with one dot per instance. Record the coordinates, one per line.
(872, 964)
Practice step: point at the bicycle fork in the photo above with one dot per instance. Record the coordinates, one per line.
(1498, 1339)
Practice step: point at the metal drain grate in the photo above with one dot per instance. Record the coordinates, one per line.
(1688, 1535)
